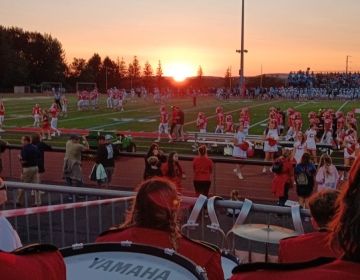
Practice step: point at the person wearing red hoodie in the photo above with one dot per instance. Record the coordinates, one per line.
(153, 220)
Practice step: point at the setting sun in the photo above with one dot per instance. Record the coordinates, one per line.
(179, 71)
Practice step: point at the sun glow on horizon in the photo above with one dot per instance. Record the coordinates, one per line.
(179, 71)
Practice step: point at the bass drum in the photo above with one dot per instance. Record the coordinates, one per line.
(127, 261)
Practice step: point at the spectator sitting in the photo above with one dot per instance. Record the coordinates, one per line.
(312, 245)
(9, 239)
(154, 221)
(344, 236)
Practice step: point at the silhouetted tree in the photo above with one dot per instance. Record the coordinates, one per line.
(147, 76)
(159, 75)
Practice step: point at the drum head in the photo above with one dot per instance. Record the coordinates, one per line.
(126, 261)
(228, 262)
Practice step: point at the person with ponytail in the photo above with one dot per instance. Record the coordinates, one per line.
(154, 220)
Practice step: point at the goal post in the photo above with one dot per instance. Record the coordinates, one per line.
(85, 86)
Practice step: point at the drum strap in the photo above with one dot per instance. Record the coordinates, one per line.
(215, 225)
(199, 204)
(245, 210)
(296, 217)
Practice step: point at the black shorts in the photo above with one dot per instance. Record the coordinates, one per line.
(304, 191)
(202, 187)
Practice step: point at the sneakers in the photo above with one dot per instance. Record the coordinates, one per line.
(264, 170)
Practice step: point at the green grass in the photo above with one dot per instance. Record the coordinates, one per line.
(141, 115)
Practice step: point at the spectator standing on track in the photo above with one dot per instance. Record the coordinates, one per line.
(72, 171)
(154, 221)
(42, 147)
(202, 167)
(284, 177)
(154, 151)
(299, 146)
(327, 177)
(305, 179)
(9, 239)
(105, 155)
(29, 157)
(173, 170)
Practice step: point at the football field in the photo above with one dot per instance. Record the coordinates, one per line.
(142, 115)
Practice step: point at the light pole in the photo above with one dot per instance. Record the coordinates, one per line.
(242, 50)
(347, 63)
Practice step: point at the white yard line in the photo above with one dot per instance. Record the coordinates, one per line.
(342, 106)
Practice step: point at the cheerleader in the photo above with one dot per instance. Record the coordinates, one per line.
(220, 120)
(350, 145)
(229, 125)
(340, 129)
(201, 122)
(290, 135)
(164, 124)
(299, 147)
(311, 141)
(45, 127)
(240, 148)
(270, 145)
(36, 112)
(2, 114)
(327, 137)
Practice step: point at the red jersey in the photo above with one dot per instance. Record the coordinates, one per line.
(2, 110)
(229, 127)
(201, 122)
(54, 112)
(320, 269)
(164, 117)
(306, 247)
(220, 119)
(36, 111)
(202, 167)
(202, 255)
(35, 262)
(245, 120)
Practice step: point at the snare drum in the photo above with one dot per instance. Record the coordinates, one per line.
(126, 260)
(228, 262)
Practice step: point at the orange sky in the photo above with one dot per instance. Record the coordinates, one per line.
(281, 35)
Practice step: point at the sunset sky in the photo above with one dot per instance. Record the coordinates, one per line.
(281, 35)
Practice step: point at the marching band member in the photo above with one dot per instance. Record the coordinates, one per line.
(164, 124)
(270, 145)
(153, 220)
(36, 112)
(220, 120)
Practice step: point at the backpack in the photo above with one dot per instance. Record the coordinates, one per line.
(301, 178)
(277, 167)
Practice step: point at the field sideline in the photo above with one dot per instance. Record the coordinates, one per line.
(142, 115)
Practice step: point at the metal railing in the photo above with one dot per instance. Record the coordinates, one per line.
(65, 227)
